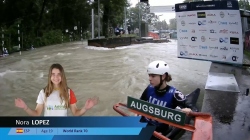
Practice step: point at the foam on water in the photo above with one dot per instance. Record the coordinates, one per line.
(98, 48)
(9, 71)
(73, 48)
(116, 48)
(41, 75)
(63, 53)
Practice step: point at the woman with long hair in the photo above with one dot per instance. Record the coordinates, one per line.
(56, 97)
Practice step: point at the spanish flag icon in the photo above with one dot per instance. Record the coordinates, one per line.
(19, 130)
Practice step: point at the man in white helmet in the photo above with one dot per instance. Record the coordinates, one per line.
(159, 93)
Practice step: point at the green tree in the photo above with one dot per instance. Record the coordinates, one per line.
(242, 4)
(112, 13)
(172, 24)
(146, 17)
(42, 22)
(161, 25)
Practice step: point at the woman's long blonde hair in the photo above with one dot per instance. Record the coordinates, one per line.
(63, 87)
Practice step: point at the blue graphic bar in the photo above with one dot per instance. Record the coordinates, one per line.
(75, 131)
(99, 131)
(52, 134)
(46, 131)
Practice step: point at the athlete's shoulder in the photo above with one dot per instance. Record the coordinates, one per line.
(179, 96)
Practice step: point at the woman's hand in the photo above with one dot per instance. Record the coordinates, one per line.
(91, 102)
(186, 110)
(20, 104)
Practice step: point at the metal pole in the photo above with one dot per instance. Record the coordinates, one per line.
(81, 35)
(62, 37)
(2, 41)
(139, 19)
(98, 19)
(93, 25)
(19, 39)
(22, 40)
(245, 24)
(125, 20)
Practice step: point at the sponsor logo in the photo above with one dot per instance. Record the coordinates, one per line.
(193, 31)
(205, 5)
(211, 22)
(203, 55)
(195, 54)
(191, 15)
(224, 48)
(222, 23)
(203, 39)
(182, 31)
(202, 30)
(183, 7)
(183, 46)
(214, 56)
(201, 14)
(191, 46)
(234, 40)
(213, 39)
(215, 48)
(203, 47)
(223, 40)
(231, 15)
(222, 14)
(224, 31)
(211, 15)
(234, 49)
(192, 23)
(56, 107)
(183, 38)
(233, 23)
(202, 22)
(212, 31)
(235, 58)
(184, 53)
(234, 32)
(193, 38)
(183, 23)
(229, 4)
(182, 16)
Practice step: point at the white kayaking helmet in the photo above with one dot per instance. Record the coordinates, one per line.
(158, 67)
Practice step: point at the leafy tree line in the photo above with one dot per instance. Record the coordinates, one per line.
(44, 22)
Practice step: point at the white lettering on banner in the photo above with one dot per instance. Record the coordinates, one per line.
(156, 111)
(213, 35)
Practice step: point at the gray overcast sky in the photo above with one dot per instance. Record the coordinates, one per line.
(165, 16)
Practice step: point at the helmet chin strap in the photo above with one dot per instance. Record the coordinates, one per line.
(161, 82)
